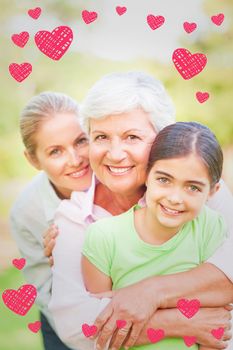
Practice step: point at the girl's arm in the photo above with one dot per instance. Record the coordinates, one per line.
(95, 281)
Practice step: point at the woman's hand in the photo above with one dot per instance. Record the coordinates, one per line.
(135, 305)
(49, 241)
(208, 319)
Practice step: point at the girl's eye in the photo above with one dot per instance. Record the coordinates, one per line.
(193, 188)
(163, 180)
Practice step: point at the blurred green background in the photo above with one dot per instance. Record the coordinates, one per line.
(74, 74)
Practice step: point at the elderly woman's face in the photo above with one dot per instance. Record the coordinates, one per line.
(119, 150)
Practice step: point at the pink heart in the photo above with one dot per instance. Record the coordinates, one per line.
(188, 307)
(121, 10)
(202, 96)
(20, 39)
(155, 335)
(121, 323)
(218, 19)
(89, 17)
(56, 43)
(187, 64)
(155, 21)
(19, 263)
(20, 71)
(35, 327)
(189, 341)
(20, 301)
(88, 331)
(218, 333)
(35, 13)
(189, 27)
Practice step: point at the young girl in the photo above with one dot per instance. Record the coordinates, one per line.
(174, 232)
(56, 144)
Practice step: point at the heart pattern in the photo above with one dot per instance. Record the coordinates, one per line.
(35, 13)
(54, 44)
(35, 327)
(218, 333)
(218, 19)
(189, 341)
(20, 71)
(120, 323)
(19, 263)
(155, 21)
(20, 301)
(121, 10)
(189, 27)
(155, 335)
(188, 307)
(20, 39)
(202, 96)
(88, 331)
(89, 17)
(187, 64)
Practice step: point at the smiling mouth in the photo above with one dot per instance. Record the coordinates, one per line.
(170, 211)
(119, 170)
(80, 173)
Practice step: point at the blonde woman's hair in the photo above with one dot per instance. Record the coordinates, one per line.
(118, 93)
(41, 107)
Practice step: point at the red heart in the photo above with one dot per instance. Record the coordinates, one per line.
(20, 301)
(188, 65)
(20, 71)
(155, 335)
(155, 21)
(202, 96)
(35, 13)
(35, 327)
(218, 333)
(121, 10)
(89, 17)
(88, 331)
(56, 43)
(121, 323)
(189, 341)
(19, 263)
(20, 39)
(188, 308)
(189, 27)
(218, 19)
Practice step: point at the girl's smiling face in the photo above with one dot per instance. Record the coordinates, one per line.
(62, 152)
(177, 189)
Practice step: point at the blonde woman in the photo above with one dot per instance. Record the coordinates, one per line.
(56, 145)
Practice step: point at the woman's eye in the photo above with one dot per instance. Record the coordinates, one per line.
(132, 137)
(82, 141)
(100, 137)
(55, 152)
(163, 180)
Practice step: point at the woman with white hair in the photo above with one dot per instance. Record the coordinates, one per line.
(122, 113)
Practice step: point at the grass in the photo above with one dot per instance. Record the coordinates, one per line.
(14, 332)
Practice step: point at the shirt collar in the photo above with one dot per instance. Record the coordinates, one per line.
(49, 198)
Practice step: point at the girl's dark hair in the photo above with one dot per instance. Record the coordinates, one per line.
(181, 139)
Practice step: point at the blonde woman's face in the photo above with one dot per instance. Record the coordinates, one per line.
(62, 152)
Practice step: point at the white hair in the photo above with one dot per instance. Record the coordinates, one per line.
(117, 93)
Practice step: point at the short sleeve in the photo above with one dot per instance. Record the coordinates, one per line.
(215, 233)
(98, 247)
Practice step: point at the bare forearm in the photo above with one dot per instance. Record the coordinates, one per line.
(206, 283)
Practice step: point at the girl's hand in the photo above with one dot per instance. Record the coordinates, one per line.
(49, 241)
